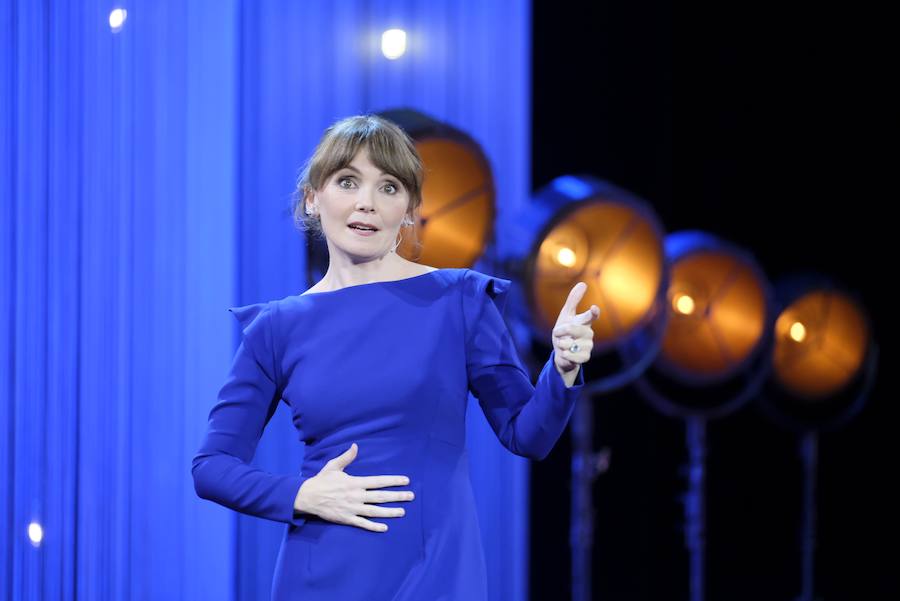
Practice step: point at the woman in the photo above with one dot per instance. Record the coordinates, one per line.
(375, 362)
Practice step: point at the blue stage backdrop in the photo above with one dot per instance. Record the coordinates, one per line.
(145, 175)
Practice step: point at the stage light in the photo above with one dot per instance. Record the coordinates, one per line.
(393, 43)
(117, 18)
(615, 250)
(714, 357)
(822, 358)
(820, 343)
(720, 306)
(580, 228)
(824, 361)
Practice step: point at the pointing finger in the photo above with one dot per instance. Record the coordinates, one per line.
(575, 296)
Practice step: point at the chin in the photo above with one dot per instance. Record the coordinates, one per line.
(361, 253)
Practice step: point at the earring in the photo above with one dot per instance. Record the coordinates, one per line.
(397, 244)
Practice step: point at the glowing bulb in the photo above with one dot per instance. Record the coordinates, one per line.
(117, 18)
(798, 332)
(393, 43)
(35, 533)
(565, 256)
(683, 304)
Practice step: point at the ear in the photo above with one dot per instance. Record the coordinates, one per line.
(307, 206)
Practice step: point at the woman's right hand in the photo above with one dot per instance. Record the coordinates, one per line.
(341, 498)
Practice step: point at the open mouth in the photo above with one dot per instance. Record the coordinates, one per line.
(363, 230)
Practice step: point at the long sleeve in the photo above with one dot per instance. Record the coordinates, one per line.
(246, 402)
(528, 419)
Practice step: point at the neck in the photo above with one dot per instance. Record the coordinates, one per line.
(349, 273)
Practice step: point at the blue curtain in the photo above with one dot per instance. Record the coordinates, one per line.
(145, 184)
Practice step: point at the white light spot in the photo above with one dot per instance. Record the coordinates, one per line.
(35, 533)
(117, 19)
(393, 43)
(684, 304)
(565, 256)
(798, 332)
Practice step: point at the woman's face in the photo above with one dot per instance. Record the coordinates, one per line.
(361, 193)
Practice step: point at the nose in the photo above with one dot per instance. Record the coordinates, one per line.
(365, 199)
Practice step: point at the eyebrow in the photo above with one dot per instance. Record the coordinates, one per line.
(352, 168)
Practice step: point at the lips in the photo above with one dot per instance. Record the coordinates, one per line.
(363, 226)
(359, 231)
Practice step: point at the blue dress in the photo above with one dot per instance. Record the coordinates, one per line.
(387, 365)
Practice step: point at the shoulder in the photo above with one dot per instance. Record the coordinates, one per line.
(477, 285)
(473, 285)
(253, 316)
(260, 321)
(483, 294)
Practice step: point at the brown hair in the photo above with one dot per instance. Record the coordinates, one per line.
(390, 149)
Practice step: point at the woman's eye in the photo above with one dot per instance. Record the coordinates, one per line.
(347, 183)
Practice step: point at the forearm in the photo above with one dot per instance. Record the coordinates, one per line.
(544, 417)
(528, 419)
(230, 482)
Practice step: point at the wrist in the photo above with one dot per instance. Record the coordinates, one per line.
(568, 377)
(300, 500)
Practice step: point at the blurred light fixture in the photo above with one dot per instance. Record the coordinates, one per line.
(580, 228)
(821, 340)
(714, 357)
(823, 355)
(824, 360)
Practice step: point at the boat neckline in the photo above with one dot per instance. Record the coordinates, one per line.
(351, 287)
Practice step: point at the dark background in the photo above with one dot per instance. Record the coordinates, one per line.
(773, 127)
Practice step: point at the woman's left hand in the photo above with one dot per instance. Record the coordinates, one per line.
(573, 328)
